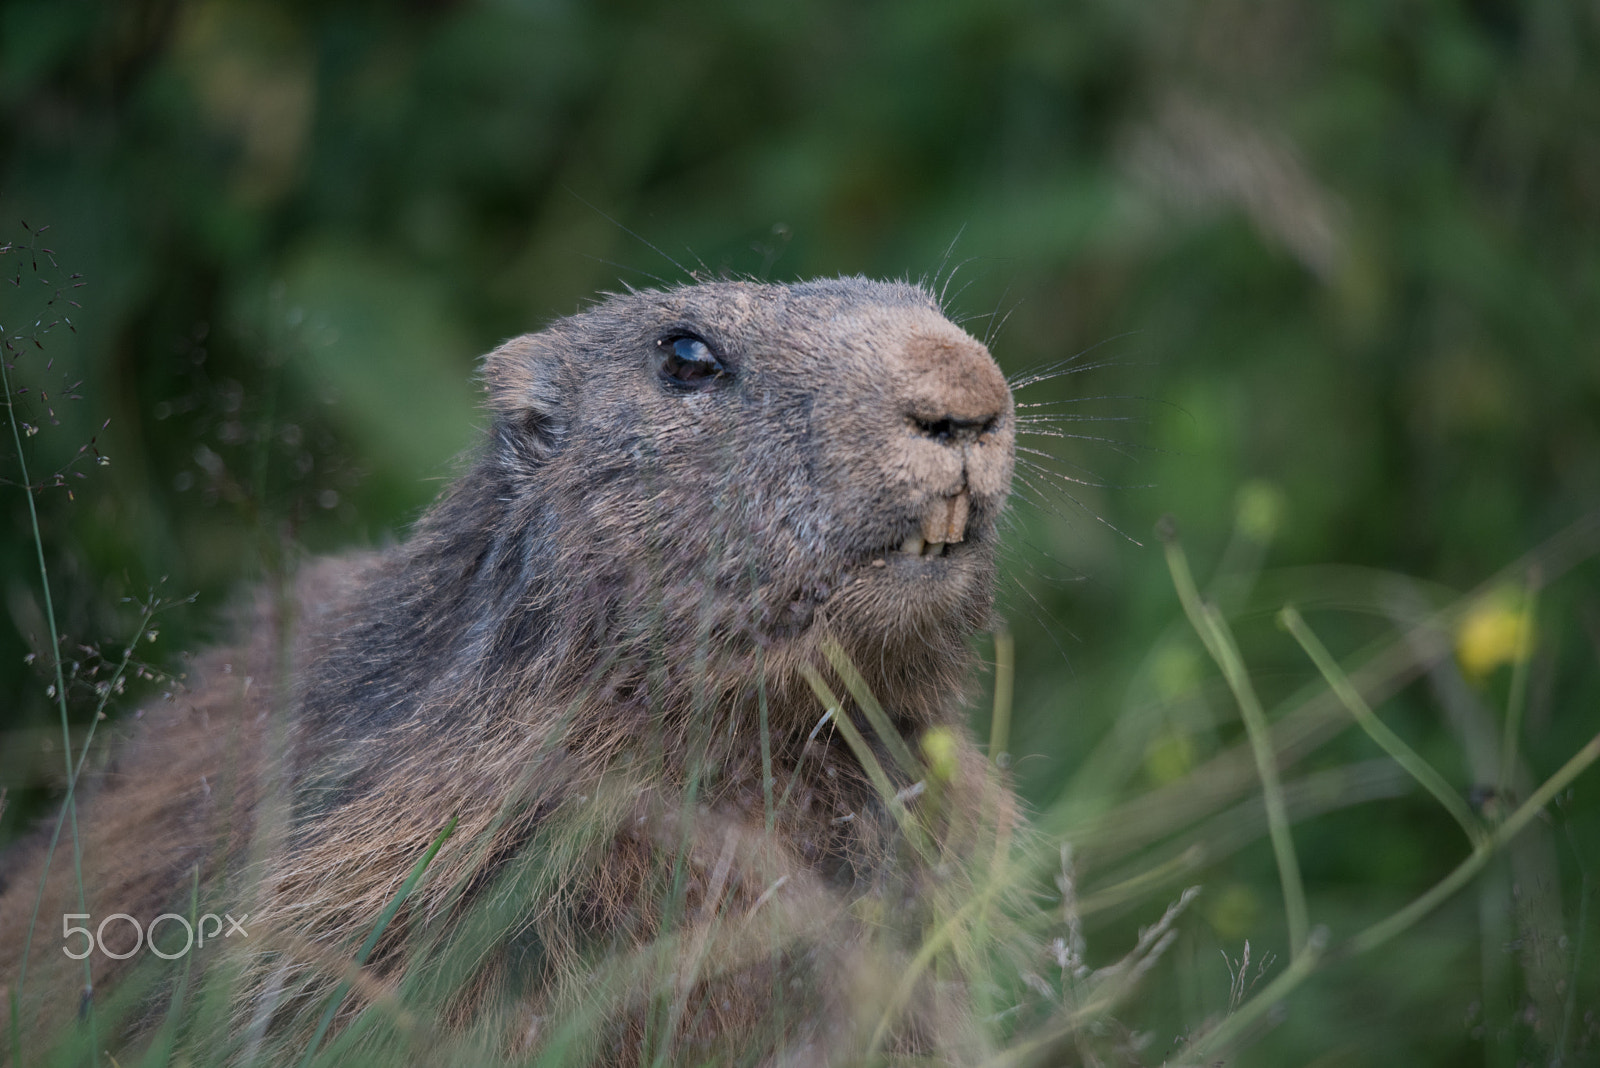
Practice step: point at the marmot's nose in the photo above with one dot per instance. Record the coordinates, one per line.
(954, 392)
(954, 431)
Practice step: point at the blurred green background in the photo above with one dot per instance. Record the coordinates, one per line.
(1330, 275)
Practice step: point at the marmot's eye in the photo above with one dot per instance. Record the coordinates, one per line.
(688, 361)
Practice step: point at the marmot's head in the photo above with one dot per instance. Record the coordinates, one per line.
(733, 466)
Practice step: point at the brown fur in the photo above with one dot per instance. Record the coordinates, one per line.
(572, 657)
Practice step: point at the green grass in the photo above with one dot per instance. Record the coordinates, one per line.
(1007, 922)
(1072, 937)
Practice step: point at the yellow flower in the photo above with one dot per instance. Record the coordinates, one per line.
(1497, 630)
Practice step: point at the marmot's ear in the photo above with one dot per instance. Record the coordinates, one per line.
(527, 394)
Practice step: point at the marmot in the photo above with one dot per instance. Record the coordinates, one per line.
(598, 658)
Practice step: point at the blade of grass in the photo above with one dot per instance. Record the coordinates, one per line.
(1381, 932)
(1245, 1017)
(1313, 715)
(1213, 630)
(940, 937)
(999, 734)
(1002, 874)
(1005, 659)
(1397, 923)
(869, 762)
(880, 781)
(868, 703)
(160, 1051)
(372, 939)
(1108, 987)
(766, 752)
(1291, 620)
(1255, 722)
(1518, 698)
(545, 865)
(794, 772)
(1585, 892)
(69, 805)
(74, 771)
(1140, 885)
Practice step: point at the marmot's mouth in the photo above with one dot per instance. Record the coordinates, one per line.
(942, 529)
(943, 523)
(916, 546)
